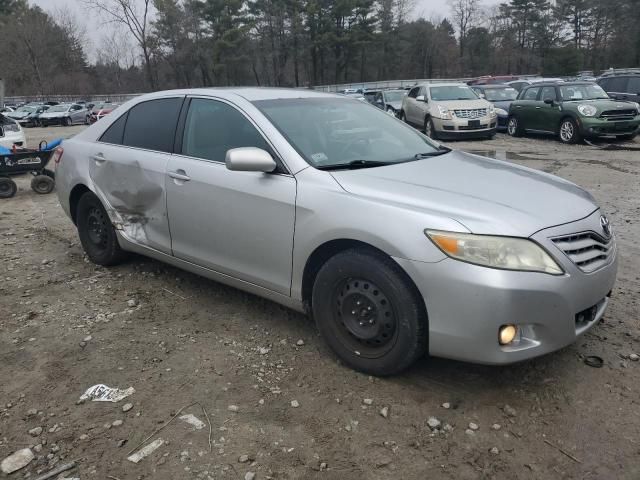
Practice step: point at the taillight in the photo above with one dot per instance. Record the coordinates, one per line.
(57, 155)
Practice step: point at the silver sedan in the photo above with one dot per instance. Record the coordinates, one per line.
(396, 245)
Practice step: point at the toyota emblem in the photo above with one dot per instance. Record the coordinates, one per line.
(606, 227)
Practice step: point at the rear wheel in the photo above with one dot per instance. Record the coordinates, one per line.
(8, 187)
(97, 235)
(513, 127)
(66, 121)
(42, 184)
(369, 312)
(569, 132)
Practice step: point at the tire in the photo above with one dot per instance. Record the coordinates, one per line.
(8, 187)
(43, 184)
(430, 129)
(391, 111)
(390, 332)
(87, 120)
(514, 128)
(44, 124)
(97, 235)
(66, 122)
(568, 132)
(402, 116)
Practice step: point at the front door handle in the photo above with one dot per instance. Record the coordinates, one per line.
(180, 175)
(98, 158)
(538, 108)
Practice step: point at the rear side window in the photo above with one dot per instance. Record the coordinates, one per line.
(114, 133)
(634, 85)
(414, 92)
(531, 94)
(151, 125)
(211, 128)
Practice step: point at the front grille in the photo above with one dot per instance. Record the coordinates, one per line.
(588, 250)
(618, 114)
(467, 127)
(471, 113)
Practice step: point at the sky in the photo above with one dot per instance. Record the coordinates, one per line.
(423, 8)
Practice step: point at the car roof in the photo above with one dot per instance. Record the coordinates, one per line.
(561, 84)
(493, 86)
(251, 94)
(444, 84)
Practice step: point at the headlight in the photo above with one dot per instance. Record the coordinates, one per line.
(500, 111)
(492, 110)
(637, 107)
(445, 114)
(12, 127)
(506, 253)
(587, 110)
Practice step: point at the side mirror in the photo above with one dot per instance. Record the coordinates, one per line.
(249, 159)
(482, 95)
(549, 101)
(421, 98)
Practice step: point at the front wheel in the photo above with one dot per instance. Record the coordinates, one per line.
(66, 121)
(97, 235)
(402, 116)
(369, 312)
(43, 184)
(569, 132)
(430, 129)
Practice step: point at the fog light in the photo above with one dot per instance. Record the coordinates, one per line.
(507, 334)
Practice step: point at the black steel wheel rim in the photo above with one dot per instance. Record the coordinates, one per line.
(97, 225)
(364, 318)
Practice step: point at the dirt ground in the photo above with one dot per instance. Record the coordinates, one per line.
(178, 339)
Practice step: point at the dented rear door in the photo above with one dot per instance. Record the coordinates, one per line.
(128, 167)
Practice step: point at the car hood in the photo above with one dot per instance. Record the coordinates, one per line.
(602, 105)
(486, 196)
(503, 104)
(17, 114)
(462, 104)
(53, 114)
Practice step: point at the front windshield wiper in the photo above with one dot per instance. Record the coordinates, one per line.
(441, 151)
(353, 165)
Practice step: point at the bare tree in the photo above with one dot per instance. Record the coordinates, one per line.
(465, 14)
(134, 15)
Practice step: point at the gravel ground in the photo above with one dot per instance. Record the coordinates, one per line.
(279, 404)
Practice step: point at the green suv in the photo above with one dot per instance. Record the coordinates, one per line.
(573, 111)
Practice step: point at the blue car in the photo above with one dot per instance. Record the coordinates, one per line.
(501, 96)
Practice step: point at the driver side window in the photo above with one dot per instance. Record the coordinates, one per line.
(212, 127)
(414, 92)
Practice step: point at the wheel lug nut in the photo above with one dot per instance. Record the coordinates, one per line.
(358, 302)
(361, 324)
(371, 321)
(369, 308)
(353, 312)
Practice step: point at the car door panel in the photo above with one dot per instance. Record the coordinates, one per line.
(547, 116)
(237, 223)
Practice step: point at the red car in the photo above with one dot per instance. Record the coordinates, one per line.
(99, 110)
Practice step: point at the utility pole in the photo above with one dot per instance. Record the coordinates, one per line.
(1, 93)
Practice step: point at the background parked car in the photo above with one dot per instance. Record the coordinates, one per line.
(6, 109)
(501, 97)
(390, 100)
(20, 113)
(622, 86)
(98, 111)
(449, 110)
(10, 132)
(33, 119)
(573, 111)
(520, 84)
(64, 114)
(370, 95)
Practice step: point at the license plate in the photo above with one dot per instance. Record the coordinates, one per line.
(621, 126)
(474, 123)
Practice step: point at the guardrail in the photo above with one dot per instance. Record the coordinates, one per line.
(116, 97)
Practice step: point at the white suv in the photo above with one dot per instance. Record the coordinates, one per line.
(449, 110)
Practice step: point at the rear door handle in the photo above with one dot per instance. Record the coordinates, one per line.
(180, 175)
(98, 158)
(538, 108)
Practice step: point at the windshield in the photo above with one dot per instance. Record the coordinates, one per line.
(453, 92)
(59, 108)
(582, 92)
(395, 96)
(331, 131)
(26, 109)
(500, 94)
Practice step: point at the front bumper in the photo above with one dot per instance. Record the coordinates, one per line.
(596, 127)
(460, 128)
(11, 139)
(467, 304)
(51, 120)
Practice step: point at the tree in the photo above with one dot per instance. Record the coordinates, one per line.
(465, 15)
(135, 16)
